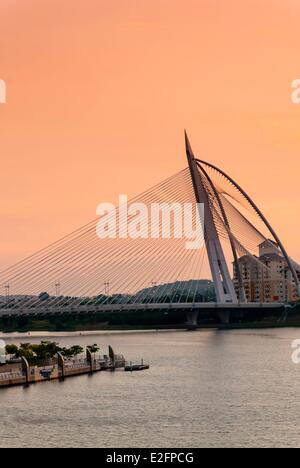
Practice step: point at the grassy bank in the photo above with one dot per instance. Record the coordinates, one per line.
(89, 322)
(143, 320)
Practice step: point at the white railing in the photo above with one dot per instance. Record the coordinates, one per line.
(10, 375)
(76, 365)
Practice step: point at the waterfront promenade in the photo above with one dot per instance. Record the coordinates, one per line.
(22, 372)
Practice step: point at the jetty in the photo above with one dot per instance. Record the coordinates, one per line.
(132, 367)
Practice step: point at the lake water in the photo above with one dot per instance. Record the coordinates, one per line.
(204, 389)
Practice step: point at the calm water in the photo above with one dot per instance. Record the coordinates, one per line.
(204, 389)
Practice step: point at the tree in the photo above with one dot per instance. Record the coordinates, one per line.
(46, 349)
(71, 352)
(75, 350)
(94, 348)
(25, 351)
(65, 352)
(11, 349)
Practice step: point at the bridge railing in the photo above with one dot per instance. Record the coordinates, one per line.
(11, 375)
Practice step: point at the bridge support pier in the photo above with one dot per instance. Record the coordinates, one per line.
(192, 319)
(224, 316)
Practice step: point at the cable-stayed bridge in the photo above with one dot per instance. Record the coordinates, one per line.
(82, 273)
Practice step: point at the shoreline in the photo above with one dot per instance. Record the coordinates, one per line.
(106, 332)
(38, 334)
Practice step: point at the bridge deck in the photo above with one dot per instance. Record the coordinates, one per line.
(126, 307)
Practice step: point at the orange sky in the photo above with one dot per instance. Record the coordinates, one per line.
(99, 93)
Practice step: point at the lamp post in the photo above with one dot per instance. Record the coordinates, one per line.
(7, 292)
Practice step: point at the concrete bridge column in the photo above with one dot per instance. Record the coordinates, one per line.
(192, 319)
(224, 316)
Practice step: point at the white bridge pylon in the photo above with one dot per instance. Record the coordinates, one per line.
(220, 211)
(220, 273)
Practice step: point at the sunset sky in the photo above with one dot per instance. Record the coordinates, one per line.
(99, 93)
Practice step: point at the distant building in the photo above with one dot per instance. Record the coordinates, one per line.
(269, 279)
